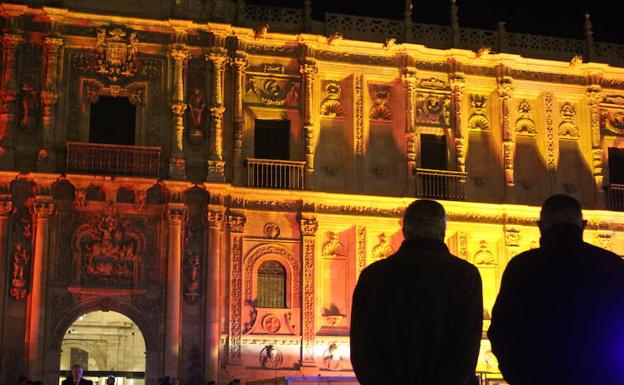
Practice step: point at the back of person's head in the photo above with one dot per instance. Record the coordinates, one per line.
(560, 209)
(424, 219)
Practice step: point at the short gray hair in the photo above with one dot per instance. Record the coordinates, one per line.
(424, 219)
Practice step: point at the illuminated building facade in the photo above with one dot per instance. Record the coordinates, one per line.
(219, 173)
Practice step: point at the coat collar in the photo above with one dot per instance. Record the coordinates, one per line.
(562, 235)
(423, 244)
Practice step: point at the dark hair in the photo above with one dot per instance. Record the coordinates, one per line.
(424, 218)
(561, 208)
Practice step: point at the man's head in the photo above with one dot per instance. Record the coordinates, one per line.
(110, 380)
(424, 219)
(77, 371)
(560, 209)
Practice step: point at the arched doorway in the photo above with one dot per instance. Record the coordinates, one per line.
(105, 343)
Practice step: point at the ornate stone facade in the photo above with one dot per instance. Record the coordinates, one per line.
(171, 230)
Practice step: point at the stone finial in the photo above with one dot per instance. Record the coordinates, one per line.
(454, 24)
(589, 39)
(501, 34)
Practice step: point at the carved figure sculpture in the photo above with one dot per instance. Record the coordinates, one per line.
(28, 120)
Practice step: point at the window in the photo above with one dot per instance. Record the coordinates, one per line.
(271, 285)
(616, 165)
(112, 121)
(272, 139)
(433, 152)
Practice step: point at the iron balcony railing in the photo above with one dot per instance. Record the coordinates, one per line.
(616, 197)
(272, 173)
(440, 184)
(108, 159)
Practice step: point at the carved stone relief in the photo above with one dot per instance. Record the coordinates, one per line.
(524, 123)
(21, 253)
(567, 127)
(433, 109)
(478, 119)
(116, 58)
(484, 256)
(29, 108)
(272, 91)
(271, 230)
(333, 247)
(194, 247)
(381, 109)
(331, 106)
(383, 249)
(612, 121)
(332, 359)
(271, 357)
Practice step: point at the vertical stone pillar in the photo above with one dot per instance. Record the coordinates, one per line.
(409, 82)
(512, 243)
(308, 72)
(551, 142)
(505, 90)
(36, 305)
(177, 165)
(8, 95)
(213, 316)
(593, 96)
(360, 250)
(308, 225)
(175, 216)
(358, 123)
(46, 161)
(6, 208)
(236, 228)
(457, 83)
(240, 64)
(216, 164)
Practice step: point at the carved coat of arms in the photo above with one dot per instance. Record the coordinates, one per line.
(116, 56)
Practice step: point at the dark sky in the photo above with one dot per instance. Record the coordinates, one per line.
(545, 17)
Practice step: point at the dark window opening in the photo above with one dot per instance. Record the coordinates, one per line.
(271, 285)
(112, 121)
(616, 165)
(272, 139)
(433, 153)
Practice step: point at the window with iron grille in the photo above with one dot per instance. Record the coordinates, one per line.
(271, 285)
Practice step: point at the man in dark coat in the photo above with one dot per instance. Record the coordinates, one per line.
(76, 377)
(417, 315)
(558, 315)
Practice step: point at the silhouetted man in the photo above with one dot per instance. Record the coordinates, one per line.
(558, 315)
(417, 315)
(76, 377)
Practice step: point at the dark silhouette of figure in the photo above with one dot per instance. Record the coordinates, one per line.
(417, 315)
(76, 377)
(558, 315)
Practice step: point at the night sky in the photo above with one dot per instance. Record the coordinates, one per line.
(544, 17)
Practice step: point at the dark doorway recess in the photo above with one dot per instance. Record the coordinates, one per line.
(112, 121)
(433, 152)
(272, 139)
(616, 165)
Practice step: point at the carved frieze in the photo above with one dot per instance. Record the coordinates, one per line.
(331, 106)
(567, 126)
(478, 113)
(525, 124)
(383, 249)
(333, 247)
(381, 109)
(270, 91)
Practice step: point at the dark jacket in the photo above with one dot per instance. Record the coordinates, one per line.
(416, 318)
(558, 315)
(70, 381)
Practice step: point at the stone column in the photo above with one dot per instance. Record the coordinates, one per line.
(308, 225)
(593, 96)
(6, 208)
(36, 305)
(409, 81)
(216, 164)
(175, 216)
(46, 161)
(308, 72)
(236, 227)
(358, 123)
(505, 89)
(177, 165)
(8, 95)
(240, 64)
(457, 83)
(213, 315)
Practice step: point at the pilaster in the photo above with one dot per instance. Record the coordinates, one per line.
(410, 83)
(236, 228)
(213, 314)
(593, 96)
(8, 96)
(358, 135)
(457, 82)
(239, 62)
(177, 164)
(6, 208)
(505, 92)
(308, 226)
(216, 164)
(46, 161)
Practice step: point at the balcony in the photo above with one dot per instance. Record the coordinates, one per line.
(118, 160)
(440, 184)
(616, 197)
(272, 173)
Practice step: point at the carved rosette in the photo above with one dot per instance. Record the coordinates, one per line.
(309, 226)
